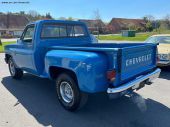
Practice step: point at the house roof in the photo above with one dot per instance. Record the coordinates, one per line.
(122, 23)
(92, 23)
(11, 21)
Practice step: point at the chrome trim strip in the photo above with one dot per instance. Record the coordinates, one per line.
(163, 62)
(151, 76)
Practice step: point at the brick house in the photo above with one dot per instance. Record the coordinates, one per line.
(95, 25)
(118, 24)
(11, 24)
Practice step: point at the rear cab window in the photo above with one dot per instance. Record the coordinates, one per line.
(62, 31)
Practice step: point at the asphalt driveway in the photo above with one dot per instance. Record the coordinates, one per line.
(32, 102)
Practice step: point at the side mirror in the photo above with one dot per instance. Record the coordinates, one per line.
(94, 39)
(19, 41)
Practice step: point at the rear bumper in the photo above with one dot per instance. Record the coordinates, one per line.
(163, 63)
(135, 84)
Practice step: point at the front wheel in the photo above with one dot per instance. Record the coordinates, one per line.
(69, 95)
(16, 73)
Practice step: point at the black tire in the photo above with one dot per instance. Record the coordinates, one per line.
(169, 68)
(79, 98)
(16, 73)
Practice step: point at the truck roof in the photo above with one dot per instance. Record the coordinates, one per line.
(58, 21)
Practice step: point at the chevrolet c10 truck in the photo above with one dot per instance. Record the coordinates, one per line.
(64, 51)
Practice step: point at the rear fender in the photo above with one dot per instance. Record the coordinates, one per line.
(89, 67)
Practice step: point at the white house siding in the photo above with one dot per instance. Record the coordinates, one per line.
(17, 33)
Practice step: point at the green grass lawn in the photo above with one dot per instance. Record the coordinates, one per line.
(3, 44)
(139, 36)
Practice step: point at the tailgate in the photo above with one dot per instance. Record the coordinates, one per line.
(136, 60)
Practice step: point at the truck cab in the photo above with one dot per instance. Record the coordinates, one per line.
(33, 44)
(64, 51)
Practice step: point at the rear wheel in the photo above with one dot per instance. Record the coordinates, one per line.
(16, 73)
(69, 95)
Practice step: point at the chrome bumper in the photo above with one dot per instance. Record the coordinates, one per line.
(163, 62)
(135, 84)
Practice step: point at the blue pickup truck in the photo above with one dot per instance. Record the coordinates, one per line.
(64, 51)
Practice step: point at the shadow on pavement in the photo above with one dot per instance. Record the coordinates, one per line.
(165, 73)
(39, 98)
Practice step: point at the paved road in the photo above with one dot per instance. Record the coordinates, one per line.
(8, 40)
(31, 102)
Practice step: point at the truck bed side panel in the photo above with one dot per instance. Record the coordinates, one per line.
(89, 67)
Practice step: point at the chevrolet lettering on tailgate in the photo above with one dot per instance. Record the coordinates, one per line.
(137, 60)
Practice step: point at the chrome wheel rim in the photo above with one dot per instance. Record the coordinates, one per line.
(12, 68)
(66, 92)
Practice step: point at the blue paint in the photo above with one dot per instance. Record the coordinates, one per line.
(90, 62)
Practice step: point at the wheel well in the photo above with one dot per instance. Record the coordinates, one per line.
(7, 57)
(56, 71)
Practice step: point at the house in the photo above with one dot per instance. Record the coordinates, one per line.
(95, 25)
(12, 24)
(118, 24)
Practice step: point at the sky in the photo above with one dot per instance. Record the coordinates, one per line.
(84, 9)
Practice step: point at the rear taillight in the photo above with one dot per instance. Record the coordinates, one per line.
(111, 75)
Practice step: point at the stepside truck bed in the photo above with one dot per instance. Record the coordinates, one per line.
(129, 60)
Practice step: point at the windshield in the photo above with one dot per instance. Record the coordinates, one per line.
(159, 39)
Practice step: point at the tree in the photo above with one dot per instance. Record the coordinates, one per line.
(163, 25)
(156, 25)
(97, 15)
(22, 12)
(148, 18)
(167, 21)
(33, 13)
(70, 18)
(150, 24)
(167, 17)
(145, 19)
(48, 16)
(98, 21)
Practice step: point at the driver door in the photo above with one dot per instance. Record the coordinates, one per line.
(25, 52)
